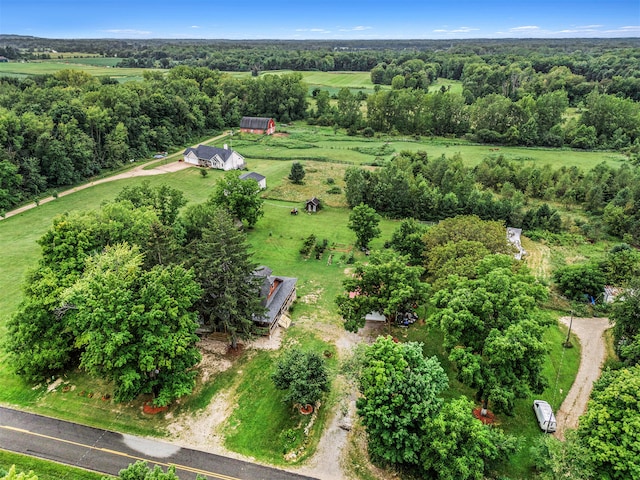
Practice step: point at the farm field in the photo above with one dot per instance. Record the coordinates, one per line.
(302, 142)
(99, 67)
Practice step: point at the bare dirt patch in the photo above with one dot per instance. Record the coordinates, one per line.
(590, 332)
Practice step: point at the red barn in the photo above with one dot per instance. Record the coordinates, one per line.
(260, 125)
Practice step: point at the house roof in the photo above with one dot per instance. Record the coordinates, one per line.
(313, 201)
(284, 287)
(256, 123)
(256, 176)
(205, 152)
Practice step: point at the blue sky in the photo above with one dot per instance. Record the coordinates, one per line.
(328, 19)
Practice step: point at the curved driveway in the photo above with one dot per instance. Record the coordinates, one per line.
(590, 332)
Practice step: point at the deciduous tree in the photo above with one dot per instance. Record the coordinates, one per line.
(400, 388)
(493, 331)
(364, 222)
(241, 198)
(385, 284)
(611, 427)
(135, 327)
(303, 375)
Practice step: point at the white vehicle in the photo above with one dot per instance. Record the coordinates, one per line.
(544, 414)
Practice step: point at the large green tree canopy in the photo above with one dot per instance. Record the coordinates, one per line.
(133, 326)
(241, 198)
(410, 426)
(610, 430)
(385, 284)
(493, 330)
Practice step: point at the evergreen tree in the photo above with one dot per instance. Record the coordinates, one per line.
(297, 173)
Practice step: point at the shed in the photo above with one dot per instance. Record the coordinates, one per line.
(312, 205)
(260, 125)
(261, 179)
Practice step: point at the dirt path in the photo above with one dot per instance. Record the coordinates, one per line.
(138, 171)
(590, 332)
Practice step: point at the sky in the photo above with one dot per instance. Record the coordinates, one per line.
(321, 19)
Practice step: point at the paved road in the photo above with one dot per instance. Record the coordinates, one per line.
(109, 452)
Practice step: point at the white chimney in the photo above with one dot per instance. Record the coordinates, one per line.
(226, 147)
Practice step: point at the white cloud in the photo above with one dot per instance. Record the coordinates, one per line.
(457, 30)
(127, 31)
(526, 28)
(195, 26)
(314, 30)
(360, 28)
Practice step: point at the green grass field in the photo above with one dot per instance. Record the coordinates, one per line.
(99, 67)
(45, 470)
(303, 142)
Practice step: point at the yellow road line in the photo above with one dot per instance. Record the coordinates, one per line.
(122, 454)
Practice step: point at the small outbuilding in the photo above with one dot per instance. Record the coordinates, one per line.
(259, 125)
(214, 157)
(312, 205)
(261, 179)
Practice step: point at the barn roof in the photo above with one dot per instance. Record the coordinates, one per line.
(255, 123)
(205, 152)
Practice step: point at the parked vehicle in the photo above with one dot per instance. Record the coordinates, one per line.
(544, 414)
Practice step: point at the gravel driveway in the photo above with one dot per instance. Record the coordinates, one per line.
(590, 332)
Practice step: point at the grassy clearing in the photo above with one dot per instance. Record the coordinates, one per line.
(91, 66)
(45, 470)
(303, 142)
(264, 427)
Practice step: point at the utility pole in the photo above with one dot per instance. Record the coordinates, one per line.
(567, 343)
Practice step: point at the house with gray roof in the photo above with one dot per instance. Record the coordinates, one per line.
(277, 294)
(214, 157)
(260, 125)
(260, 179)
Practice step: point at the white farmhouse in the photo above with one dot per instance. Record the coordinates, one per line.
(214, 157)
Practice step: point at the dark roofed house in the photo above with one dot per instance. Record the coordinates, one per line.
(214, 157)
(261, 179)
(261, 125)
(277, 294)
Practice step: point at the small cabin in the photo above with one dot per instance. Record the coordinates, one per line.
(312, 205)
